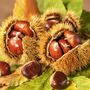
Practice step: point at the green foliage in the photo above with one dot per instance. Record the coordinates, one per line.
(82, 83)
(85, 19)
(45, 4)
(74, 5)
(39, 83)
(81, 80)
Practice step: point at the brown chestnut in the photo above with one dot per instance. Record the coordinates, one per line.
(24, 27)
(58, 80)
(72, 38)
(32, 69)
(15, 45)
(64, 45)
(49, 23)
(4, 68)
(55, 50)
(14, 33)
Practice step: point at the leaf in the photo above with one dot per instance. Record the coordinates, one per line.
(39, 83)
(85, 18)
(19, 9)
(84, 72)
(75, 5)
(24, 9)
(45, 4)
(72, 87)
(85, 23)
(82, 83)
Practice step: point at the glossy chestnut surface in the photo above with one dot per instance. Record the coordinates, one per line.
(58, 80)
(32, 69)
(15, 46)
(72, 38)
(14, 33)
(55, 50)
(52, 19)
(50, 23)
(4, 68)
(64, 45)
(24, 27)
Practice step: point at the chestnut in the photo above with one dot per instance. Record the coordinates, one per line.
(15, 45)
(14, 33)
(58, 80)
(4, 68)
(55, 50)
(24, 27)
(64, 45)
(49, 23)
(72, 38)
(32, 69)
(51, 19)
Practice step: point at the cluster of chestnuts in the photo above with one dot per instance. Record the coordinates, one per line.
(63, 44)
(15, 35)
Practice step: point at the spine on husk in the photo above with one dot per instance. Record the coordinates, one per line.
(74, 59)
(29, 43)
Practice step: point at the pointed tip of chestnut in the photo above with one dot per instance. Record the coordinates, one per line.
(58, 80)
(32, 69)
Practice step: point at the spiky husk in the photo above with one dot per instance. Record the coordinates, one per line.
(59, 28)
(45, 39)
(50, 11)
(37, 25)
(3, 52)
(42, 45)
(29, 50)
(29, 44)
(74, 60)
(73, 19)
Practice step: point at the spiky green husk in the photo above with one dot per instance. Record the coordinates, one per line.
(59, 28)
(50, 11)
(74, 60)
(42, 48)
(3, 52)
(37, 25)
(29, 44)
(29, 50)
(73, 19)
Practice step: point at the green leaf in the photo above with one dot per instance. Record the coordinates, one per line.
(72, 87)
(85, 18)
(84, 72)
(45, 4)
(82, 83)
(19, 9)
(75, 5)
(14, 67)
(39, 83)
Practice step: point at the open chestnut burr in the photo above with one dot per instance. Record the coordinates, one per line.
(50, 18)
(63, 49)
(18, 39)
(15, 35)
